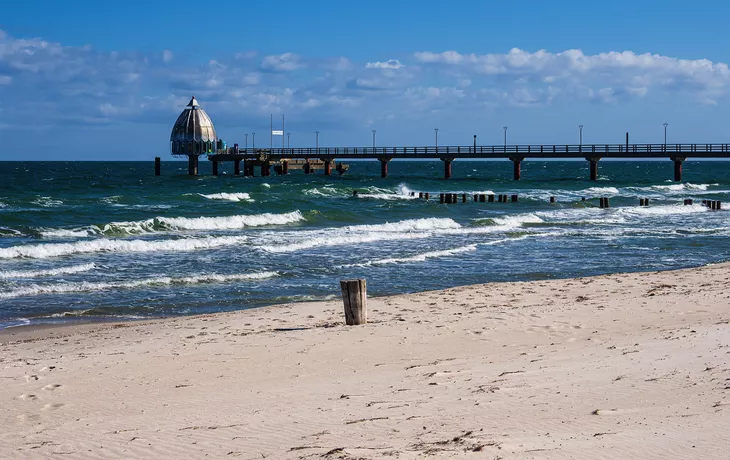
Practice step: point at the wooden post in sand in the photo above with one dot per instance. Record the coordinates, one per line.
(355, 297)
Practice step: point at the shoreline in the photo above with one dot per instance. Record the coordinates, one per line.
(622, 365)
(35, 331)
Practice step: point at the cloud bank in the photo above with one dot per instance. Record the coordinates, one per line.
(45, 84)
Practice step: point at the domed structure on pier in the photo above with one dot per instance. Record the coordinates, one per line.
(193, 133)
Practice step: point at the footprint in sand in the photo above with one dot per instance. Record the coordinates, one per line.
(51, 387)
(53, 406)
(31, 378)
(27, 397)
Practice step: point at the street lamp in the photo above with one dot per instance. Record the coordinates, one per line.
(288, 140)
(665, 135)
(373, 140)
(316, 139)
(437, 137)
(505, 137)
(247, 140)
(253, 140)
(580, 128)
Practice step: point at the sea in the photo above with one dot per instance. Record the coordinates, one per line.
(103, 241)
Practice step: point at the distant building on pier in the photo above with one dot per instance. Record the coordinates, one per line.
(193, 135)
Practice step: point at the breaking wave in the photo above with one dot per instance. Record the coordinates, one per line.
(49, 272)
(168, 224)
(238, 196)
(43, 251)
(416, 258)
(357, 234)
(157, 281)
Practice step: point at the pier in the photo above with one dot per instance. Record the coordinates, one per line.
(593, 153)
(193, 136)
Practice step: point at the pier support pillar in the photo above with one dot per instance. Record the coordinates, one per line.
(516, 170)
(215, 168)
(265, 169)
(192, 165)
(447, 167)
(327, 167)
(384, 166)
(285, 167)
(677, 168)
(236, 167)
(306, 167)
(157, 166)
(593, 166)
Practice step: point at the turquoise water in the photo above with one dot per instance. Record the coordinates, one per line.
(100, 241)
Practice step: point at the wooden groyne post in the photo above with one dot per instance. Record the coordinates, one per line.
(157, 166)
(355, 298)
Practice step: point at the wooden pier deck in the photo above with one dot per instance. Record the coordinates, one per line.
(324, 157)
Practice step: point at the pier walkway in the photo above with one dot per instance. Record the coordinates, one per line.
(251, 157)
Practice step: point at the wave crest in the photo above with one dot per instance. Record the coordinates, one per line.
(158, 281)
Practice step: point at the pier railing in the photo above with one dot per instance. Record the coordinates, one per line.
(483, 151)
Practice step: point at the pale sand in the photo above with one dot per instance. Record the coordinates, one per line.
(622, 366)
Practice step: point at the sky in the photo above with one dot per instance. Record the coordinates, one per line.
(91, 80)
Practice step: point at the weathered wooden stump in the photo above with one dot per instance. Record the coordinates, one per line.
(355, 298)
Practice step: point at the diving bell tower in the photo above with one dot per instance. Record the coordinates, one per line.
(193, 135)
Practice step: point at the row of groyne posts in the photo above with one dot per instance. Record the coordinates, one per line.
(603, 202)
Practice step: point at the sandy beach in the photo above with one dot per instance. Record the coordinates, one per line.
(619, 366)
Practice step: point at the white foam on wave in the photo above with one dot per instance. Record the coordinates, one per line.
(599, 191)
(580, 216)
(110, 199)
(326, 241)
(357, 234)
(403, 193)
(675, 189)
(229, 222)
(39, 289)
(517, 220)
(199, 223)
(415, 258)
(234, 196)
(323, 191)
(5, 231)
(49, 272)
(408, 225)
(66, 233)
(43, 251)
(47, 202)
(665, 210)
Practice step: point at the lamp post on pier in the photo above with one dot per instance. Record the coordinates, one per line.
(316, 139)
(437, 138)
(665, 135)
(505, 137)
(246, 140)
(373, 140)
(288, 140)
(580, 135)
(253, 140)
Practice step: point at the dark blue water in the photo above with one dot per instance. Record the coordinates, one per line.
(99, 241)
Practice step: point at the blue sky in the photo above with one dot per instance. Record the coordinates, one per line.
(106, 80)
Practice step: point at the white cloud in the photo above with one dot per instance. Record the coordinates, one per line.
(5, 79)
(282, 62)
(625, 71)
(391, 64)
(167, 56)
